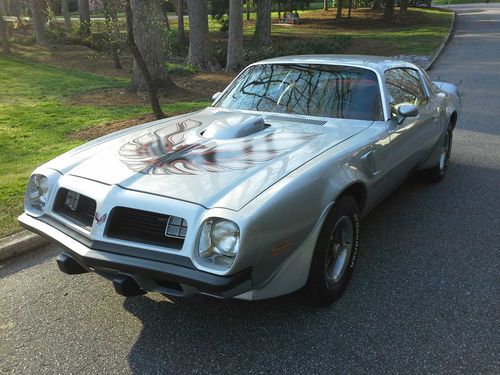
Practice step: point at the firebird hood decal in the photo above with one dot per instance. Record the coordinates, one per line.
(173, 159)
(166, 151)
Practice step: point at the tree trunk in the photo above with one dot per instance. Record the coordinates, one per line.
(4, 32)
(389, 10)
(325, 4)
(338, 17)
(235, 38)
(141, 63)
(199, 50)
(65, 12)
(349, 7)
(403, 7)
(181, 36)
(112, 30)
(263, 24)
(148, 25)
(38, 8)
(84, 10)
(248, 10)
(15, 9)
(377, 5)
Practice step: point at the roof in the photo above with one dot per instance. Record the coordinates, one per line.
(378, 63)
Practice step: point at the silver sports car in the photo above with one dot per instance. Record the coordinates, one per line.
(258, 195)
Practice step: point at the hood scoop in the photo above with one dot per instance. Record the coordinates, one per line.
(234, 127)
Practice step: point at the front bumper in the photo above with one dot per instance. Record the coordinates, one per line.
(150, 275)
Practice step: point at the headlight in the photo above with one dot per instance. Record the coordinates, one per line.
(219, 242)
(37, 193)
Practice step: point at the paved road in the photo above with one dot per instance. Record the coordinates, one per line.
(424, 298)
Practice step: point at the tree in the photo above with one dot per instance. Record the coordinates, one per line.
(84, 10)
(199, 51)
(112, 30)
(403, 8)
(39, 17)
(65, 12)
(235, 38)
(325, 4)
(338, 17)
(4, 32)
(148, 36)
(141, 63)
(263, 24)
(389, 10)
(181, 36)
(377, 5)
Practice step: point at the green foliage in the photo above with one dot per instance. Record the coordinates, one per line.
(54, 32)
(172, 45)
(219, 10)
(181, 69)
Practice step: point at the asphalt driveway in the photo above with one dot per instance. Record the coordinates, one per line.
(424, 297)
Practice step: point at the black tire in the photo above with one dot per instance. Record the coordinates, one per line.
(325, 284)
(437, 173)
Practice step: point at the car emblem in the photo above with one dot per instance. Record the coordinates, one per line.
(100, 220)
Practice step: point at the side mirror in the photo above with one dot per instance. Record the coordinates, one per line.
(406, 110)
(216, 95)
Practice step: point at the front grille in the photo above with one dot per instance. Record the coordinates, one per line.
(146, 227)
(75, 207)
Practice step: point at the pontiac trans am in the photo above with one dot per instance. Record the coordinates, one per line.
(256, 196)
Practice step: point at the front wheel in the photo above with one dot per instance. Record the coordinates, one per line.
(437, 173)
(335, 253)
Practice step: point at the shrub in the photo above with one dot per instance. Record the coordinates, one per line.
(181, 69)
(172, 46)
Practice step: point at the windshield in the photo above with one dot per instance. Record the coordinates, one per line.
(314, 90)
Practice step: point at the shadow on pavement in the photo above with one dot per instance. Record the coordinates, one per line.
(402, 296)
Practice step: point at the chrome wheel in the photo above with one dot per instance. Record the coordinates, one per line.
(445, 152)
(339, 249)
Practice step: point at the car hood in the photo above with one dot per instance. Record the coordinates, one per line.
(200, 159)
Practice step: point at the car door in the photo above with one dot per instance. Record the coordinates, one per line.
(410, 138)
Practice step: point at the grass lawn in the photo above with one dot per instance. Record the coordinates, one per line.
(419, 33)
(52, 99)
(36, 120)
(445, 2)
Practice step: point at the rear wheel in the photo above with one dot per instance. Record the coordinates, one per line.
(335, 253)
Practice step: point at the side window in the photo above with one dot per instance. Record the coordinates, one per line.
(404, 86)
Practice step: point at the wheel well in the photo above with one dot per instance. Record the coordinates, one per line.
(453, 119)
(358, 192)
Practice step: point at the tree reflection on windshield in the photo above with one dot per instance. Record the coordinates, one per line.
(314, 90)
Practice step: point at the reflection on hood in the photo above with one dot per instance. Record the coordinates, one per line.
(177, 150)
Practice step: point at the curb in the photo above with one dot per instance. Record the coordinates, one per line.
(445, 41)
(20, 243)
